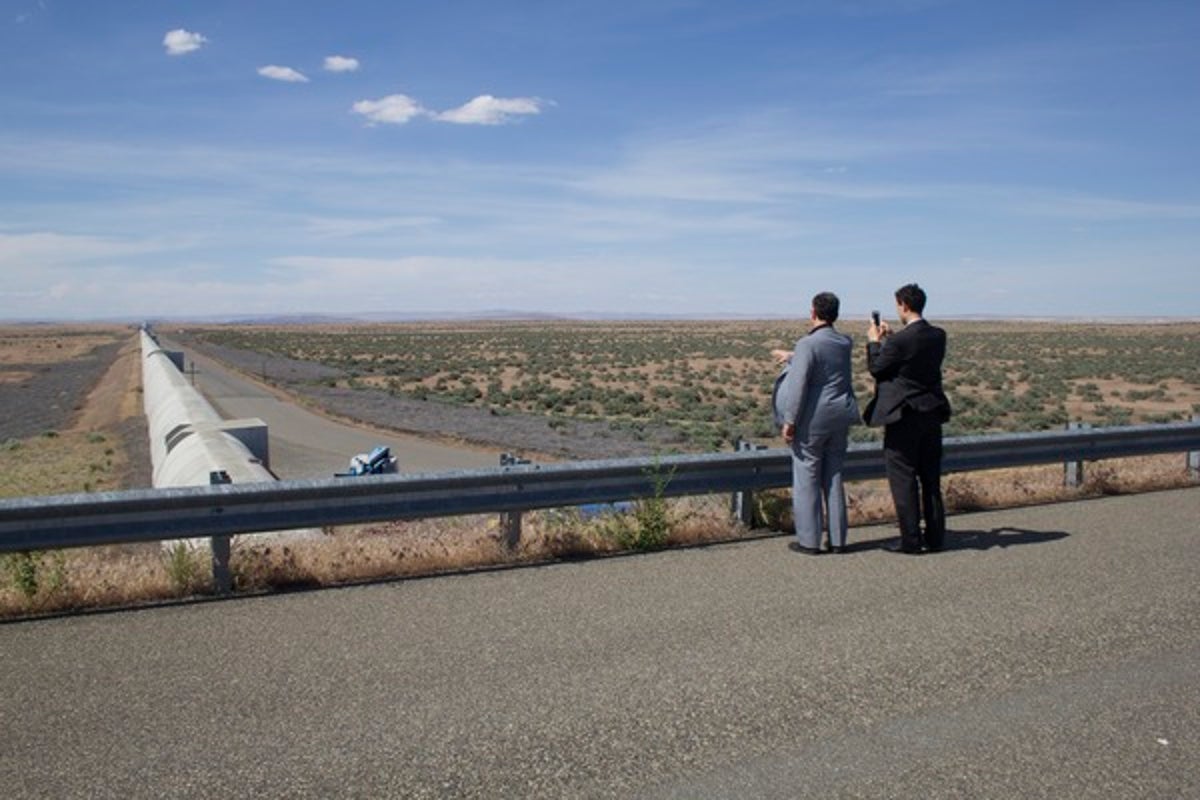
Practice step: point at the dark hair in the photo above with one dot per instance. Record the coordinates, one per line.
(912, 296)
(826, 305)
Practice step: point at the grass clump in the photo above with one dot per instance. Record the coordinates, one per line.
(650, 523)
(36, 574)
(22, 571)
(185, 568)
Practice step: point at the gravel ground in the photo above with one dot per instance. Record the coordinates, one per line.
(48, 400)
(522, 433)
(135, 438)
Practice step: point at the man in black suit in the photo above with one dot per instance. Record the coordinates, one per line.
(910, 404)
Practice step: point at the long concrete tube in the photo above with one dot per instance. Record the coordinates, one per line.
(189, 442)
(190, 445)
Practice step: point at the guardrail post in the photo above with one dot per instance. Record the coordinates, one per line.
(742, 502)
(1073, 470)
(1193, 457)
(222, 577)
(510, 521)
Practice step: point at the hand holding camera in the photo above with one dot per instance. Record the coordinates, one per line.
(878, 328)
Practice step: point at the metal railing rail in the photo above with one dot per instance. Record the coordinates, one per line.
(37, 523)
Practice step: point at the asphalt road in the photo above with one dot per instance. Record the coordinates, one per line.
(307, 445)
(1051, 652)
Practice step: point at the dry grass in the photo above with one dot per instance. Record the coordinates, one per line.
(1008, 488)
(367, 552)
(48, 344)
(423, 547)
(61, 463)
(90, 577)
(116, 576)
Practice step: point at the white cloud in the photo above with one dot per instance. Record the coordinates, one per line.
(395, 109)
(44, 249)
(179, 41)
(1098, 208)
(488, 110)
(341, 64)
(46, 273)
(286, 74)
(345, 227)
(438, 283)
(743, 163)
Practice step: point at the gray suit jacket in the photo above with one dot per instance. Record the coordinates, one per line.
(814, 391)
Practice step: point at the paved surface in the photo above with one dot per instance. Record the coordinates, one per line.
(307, 445)
(1052, 652)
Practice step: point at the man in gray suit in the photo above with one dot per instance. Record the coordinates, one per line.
(815, 407)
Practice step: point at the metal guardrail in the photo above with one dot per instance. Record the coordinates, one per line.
(36, 523)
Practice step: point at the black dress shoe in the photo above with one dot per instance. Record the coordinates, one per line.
(836, 549)
(796, 547)
(898, 547)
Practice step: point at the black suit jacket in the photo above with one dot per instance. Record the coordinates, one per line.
(907, 367)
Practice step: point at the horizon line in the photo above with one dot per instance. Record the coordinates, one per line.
(504, 315)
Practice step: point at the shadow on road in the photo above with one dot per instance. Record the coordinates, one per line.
(975, 540)
(999, 537)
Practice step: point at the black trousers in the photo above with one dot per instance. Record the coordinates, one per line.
(912, 453)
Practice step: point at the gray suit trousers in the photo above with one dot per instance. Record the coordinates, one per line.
(817, 462)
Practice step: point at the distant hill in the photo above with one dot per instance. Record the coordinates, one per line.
(500, 315)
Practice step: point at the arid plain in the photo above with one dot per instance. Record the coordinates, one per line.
(70, 421)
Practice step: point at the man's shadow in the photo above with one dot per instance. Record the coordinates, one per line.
(980, 540)
(999, 537)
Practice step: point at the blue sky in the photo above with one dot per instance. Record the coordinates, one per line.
(163, 159)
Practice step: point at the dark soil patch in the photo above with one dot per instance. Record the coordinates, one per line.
(512, 431)
(56, 391)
